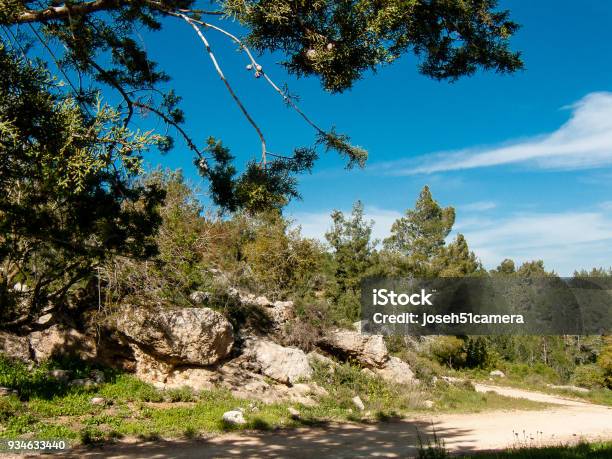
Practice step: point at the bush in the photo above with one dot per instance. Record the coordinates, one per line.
(589, 376)
(449, 350)
(9, 407)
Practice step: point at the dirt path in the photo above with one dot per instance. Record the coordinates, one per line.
(569, 421)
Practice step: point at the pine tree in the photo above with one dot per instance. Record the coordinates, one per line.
(421, 234)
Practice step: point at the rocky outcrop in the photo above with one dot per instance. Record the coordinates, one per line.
(16, 347)
(396, 371)
(185, 336)
(59, 340)
(369, 351)
(284, 364)
(279, 312)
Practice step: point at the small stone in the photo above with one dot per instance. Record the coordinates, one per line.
(60, 375)
(497, 373)
(234, 417)
(19, 287)
(358, 403)
(82, 383)
(318, 391)
(295, 414)
(261, 300)
(97, 376)
(368, 372)
(98, 401)
(46, 318)
(301, 389)
(199, 297)
(428, 404)
(4, 391)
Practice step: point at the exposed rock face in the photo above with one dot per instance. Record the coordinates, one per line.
(283, 364)
(396, 371)
(17, 347)
(57, 340)
(184, 336)
(368, 350)
(279, 312)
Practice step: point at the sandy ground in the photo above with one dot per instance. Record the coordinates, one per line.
(567, 422)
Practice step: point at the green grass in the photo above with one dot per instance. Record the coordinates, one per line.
(463, 399)
(536, 378)
(45, 408)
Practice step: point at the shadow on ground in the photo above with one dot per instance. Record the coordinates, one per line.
(385, 439)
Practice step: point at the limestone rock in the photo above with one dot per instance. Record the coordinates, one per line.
(396, 371)
(57, 340)
(4, 391)
(234, 417)
(84, 382)
(98, 401)
(97, 376)
(301, 389)
(199, 297)
(16, 347)
(59, 375)
(185, 336)
(497, 373)
(314, 356)
(283, 364)
(367, 350)
(358, 403)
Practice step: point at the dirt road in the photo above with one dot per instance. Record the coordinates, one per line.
(568, 421)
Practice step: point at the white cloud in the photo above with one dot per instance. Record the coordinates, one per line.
(585, 140)
(565, 241)
(479, 206)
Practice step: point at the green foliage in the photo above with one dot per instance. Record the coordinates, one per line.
(456, 260)
(420, 235)
(340, 41)
(479, 353)
(350, 240)
(605, 360)
(10, 406)
(589, 376)
(449, 350)
(67, 200)
(279, 259)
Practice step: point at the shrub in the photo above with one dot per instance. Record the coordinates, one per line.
(449, 350)
(589, 376)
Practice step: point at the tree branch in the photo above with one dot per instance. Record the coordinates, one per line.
(64, 11)
(260, 70)
(195, 27)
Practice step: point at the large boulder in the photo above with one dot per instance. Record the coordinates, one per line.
(396, 371)
(182, 336)
(283, 364)
(16, 347)
(61, 340)
(368, 350)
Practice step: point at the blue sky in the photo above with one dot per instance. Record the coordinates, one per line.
(525, 159)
